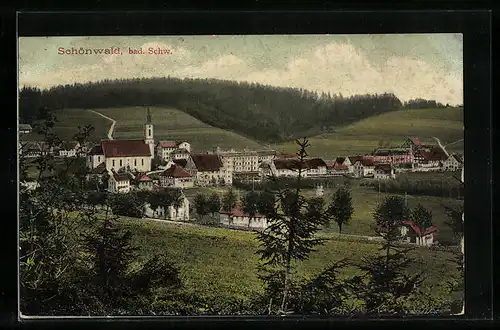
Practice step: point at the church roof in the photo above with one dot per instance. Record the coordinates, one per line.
(125, 148)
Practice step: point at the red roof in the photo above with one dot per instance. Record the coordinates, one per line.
(417, 229)
(207, 162)
(168, 144)
(125, 148)
(367, 161)
(340, 167)
(416, 141)
(144, 178)
(434, 154)
(121, 176)
(176, 172)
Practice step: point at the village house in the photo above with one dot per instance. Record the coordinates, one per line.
(180, 162)
(338, 167)
(177, 177)
(429, 160)
(453, 163)
(350, 161)
(289, 167)
(210, 170)
(143, 182)
(394, 156)
(170, 150)
(97, 172)
(119, 182)
(172, 214)
(383, 172)
(365, 167)
(69, 149)
(412, 233)
(25, 129)
(241, 161)
(180, 153)
(33, 149)
(266, 155)
(236, 218)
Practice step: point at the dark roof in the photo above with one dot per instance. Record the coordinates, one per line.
(175, 171)
(125, 148)
(96, 150)
(386, 168)
(180, 162)
(366, 161)
(418, 230)
(340, 160)
(283, 164)
(121, 176)
(434, 154)
(315, 163)
(207, 162)
(100, 169)
(354, 159)
(458, 158)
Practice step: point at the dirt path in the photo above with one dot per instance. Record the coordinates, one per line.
(113, 123)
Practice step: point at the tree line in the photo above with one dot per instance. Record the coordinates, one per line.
(264, 113)
(76, 258)
(420, 103)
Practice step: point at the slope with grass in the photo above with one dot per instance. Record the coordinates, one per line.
(173, 124)
(394, 127)
(68, 121)
(220, 264)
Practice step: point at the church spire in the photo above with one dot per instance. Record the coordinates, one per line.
(148, 117)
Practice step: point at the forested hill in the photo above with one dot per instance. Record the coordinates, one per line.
(264, 113)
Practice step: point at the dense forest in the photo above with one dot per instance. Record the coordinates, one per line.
(261, 112)
(423, 104)
(264, 113)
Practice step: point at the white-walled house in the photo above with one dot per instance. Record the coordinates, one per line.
(173, 214)
(210, 170)
(180, 153)
(364, 167)
(289, 167)
(412, 233)
(176, 176)
(164, 149)
(119, 182)
(143, 182)
(453, 163)
(69, 149)
(236, 218)
(384, 172)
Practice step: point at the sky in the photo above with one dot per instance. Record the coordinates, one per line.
(411, 66)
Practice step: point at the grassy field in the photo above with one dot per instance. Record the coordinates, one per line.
(68, 121)
(172, 124)
(220, 264)
(394, 127)
(365, 199)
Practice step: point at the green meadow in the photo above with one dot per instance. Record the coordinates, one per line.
(172, 124)
(391, 127)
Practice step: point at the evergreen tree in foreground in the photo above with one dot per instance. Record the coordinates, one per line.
(288, 240)
(340, 209)
(386, 285)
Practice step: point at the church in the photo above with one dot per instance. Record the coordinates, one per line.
(125, 154)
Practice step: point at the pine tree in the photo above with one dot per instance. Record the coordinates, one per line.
(340, 209)
(288, 239)
(229, 200)
(386, 285)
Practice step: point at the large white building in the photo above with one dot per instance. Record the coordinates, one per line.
(126, 154)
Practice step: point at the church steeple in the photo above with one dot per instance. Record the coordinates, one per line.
(148, 117)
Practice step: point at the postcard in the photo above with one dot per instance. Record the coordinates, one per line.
(227, 175)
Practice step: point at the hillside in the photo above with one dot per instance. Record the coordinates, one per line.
(263, 113)
(172, 124)
(394, 127)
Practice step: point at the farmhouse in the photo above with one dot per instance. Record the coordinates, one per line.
(431, 159)
(383, 172)
(394, 156)
(119, 182)
(171, 150)
(453, 163)
(365, 167)
(25, 129)
(69, 149)
(97, 172)
(412, 233)
(236, 218)
(210, 170)
(289, 167)
(350, 161)
(172, 213)
(143, 182)
(176, 176)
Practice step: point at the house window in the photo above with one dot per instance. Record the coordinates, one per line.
(135, 162)
(120, 162)
(113, 163)
(142, 162)
(98, 158)
(149, 132)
